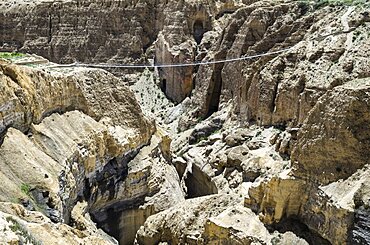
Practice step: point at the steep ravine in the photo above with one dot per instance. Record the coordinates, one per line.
(269, 150)
(100, 163)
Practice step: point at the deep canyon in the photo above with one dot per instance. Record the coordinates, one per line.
(267, 141)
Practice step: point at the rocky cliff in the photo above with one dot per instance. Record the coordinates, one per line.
(115, 32)
(271, 149)
(68, 144)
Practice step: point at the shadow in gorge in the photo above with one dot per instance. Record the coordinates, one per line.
(199, 184)
(213, 99)
(294, 225)
(119, 217)
(122, 221)
(198, 31)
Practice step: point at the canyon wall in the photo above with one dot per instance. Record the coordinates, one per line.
(70, 152)
(267, 150)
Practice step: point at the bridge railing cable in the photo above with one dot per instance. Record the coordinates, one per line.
(137, 66)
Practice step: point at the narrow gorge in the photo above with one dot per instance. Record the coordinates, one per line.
(184, 122)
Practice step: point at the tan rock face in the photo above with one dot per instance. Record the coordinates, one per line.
(149, 186)
(182, 227)
(329, 148)
(76, 158)
(64, 156)
(47, 171)
(281, 89)
(334, 140)
(184, 39)
(209, 220)
(75, 143)
(176, 82)
(26, 227)
(115, 32)
(30, 95)
(100, 31)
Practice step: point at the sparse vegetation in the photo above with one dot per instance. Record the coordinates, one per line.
(10, 55)
(25, 188)
(22, 232)
(216, 131)
(199, 119)
(322, 3)
(201, 139)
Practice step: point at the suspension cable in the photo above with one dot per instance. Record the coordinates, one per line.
(77, 64)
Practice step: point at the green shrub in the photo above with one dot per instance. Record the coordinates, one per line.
(26, 188)
(10, 55)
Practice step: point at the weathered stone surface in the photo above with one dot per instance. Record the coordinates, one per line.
(65, 156)
(20, 226)
(209, 220)
(277, 199)
(66, 31)
(30, 95)
(114, 31)
(183, 223)
(93, 157)
(235, 225)
(25, 167)
(334, 140)
(150, 185)
(337, 212)
(281, 89)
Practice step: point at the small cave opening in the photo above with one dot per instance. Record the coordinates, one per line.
(296, 226)
(199, 184)
(198, 31)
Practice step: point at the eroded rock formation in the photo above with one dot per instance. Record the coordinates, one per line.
(268, 150)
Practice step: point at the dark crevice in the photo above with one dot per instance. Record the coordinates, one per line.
(123, 219)
(2, 134)
(50, 29)
(163, 85)
(198, 31)
(106, 180)
(150, 43)
(119, 218)
(274, 95)
(360, 232)
(294, 225)
(199, 184)
(215, 91)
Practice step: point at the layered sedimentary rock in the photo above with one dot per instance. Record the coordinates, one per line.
(334, 140)
(329, 149)
(182, 40)
(149, 185)
(209, 220)
(281, 89)
(95, 155)
(30, 95)
(115, 32)
(67, 164)
(66, 31)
